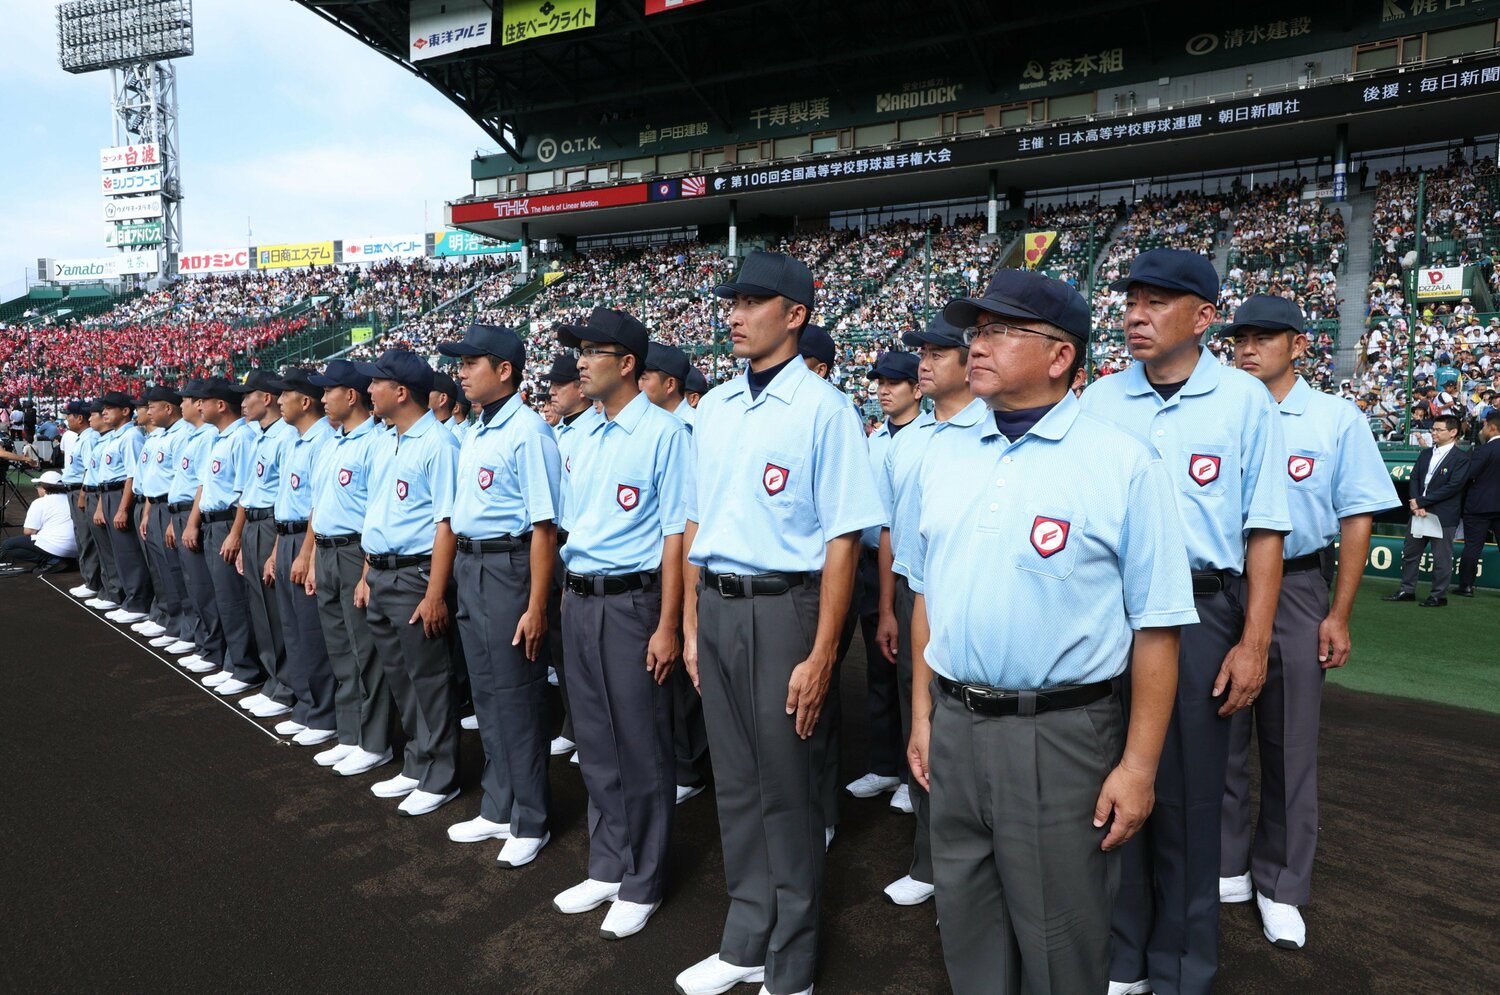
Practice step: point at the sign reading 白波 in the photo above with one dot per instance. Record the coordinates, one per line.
(129, 156)
(442, 27)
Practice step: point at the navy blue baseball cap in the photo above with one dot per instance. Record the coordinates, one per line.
(193, 388)
(340, 373)
(564, 369)
(771, 274)
(939, 332)
(77, 408)
(895, 365)
(258, 380)
(402, 366)
(488, 340)
(445, 384)
(605, 325)
(670, 360)
(297, 380)
(220, 389)
(1173, 269)
(816, 344)
(96, 407)
(1018, 293)
(161, 392)
(697, 383)
(1265, 311)
(116, 399)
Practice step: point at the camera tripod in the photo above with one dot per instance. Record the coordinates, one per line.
(10, 490)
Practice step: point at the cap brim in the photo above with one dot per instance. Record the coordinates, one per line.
(1235, 327)
(915, 339)
(570, 335)
(244, 388)
(461, 349)
(728, 290)
(964, 312)
(318, 380)
(371, 370)
(1125, 282)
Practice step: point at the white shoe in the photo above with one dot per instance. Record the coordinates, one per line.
(252, 701)
(103, 604)
(311, 737)
(1281, 923)
(196, 665)
(1142, 987)
(1235, 889)
(470, 722)
(684, 792)
(125, 617)
(360, 761)
(395, 787)
(82, 591)
(901, 800)
(828, 835)
(806, 991)
(871, 785)
(162, 642)
(270, 709)
(562, 745)
(289, 728)
(477, 830)
(908, 891)
(150, 629)
(233, 686)
(182, 646)
(214, 680)
(422, 802)
(519, 851)
(586, 896)
(333, 755)
(626, 919)
(711, 976)
(136, 627)
(574, 759)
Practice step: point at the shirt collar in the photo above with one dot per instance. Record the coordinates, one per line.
(507, 411)
(365, 427)
(1295, 402)
(1205, 376)
(317, 430)
(1053, 425)
(419, 429)
(783, 387)
(629, 416)
(234, 427)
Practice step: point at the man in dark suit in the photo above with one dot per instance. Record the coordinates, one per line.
(1481, 501)
(1437, 483)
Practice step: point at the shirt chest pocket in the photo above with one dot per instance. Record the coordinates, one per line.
(1205, 468)
(778, 477)
(630, 495)
(1307, 467)
(1049, 546)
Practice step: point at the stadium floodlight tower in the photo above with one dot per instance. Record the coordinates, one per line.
(134, 40)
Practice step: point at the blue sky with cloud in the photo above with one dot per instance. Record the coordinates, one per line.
(284, 120)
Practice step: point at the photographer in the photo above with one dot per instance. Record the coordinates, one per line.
(47, 542)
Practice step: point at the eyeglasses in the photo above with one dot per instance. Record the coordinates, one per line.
(590, 352)
(999, 329)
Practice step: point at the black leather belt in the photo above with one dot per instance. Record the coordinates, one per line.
(1210, 581)
(502, 544)
(258, 514)
(395, 561)
(74, 488)
(156, 498)
(1297, 564)
(178, 507)
(214, 517)
(997, 701)
(329, 542)
(291, 528)
(599, 585)
(745, 585)
(118, 485)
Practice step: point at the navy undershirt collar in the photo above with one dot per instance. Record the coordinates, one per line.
(760, 381)
(1014, 424)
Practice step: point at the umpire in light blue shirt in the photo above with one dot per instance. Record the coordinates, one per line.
(504, 525)
(781, 489)
(192, 454)
(1219, 434)
(408, 586)
(1030, 509)
(164, 407)
(1336, 482)
(119, 455)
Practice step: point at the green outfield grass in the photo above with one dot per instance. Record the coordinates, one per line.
(1449, 655)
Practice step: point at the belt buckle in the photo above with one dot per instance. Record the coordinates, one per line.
(972, 692)
(465, 544)
(723, 588)
(577, 586)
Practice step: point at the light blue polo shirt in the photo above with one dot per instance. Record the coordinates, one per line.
(191, 456)
(341, 480)
(159, 458)
(223, 475)
(1223, 447)
(263, 481)
(508, 472)
(77, 460)
(1038, 558)
(412, 480)
(120, 452)
(777, 477)
(89, 442)
(880, 443)
(625, 490)
(896, 479)
(1333, 467)
(299, 451)
(685, 412)
(143, 463)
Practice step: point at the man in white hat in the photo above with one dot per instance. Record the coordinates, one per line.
(47, 539)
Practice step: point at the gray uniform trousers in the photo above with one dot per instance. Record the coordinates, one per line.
(158, 612)
(1442, 562)
(130, 560)
(240, 658)
(361, 702)
(689, 737)
(1024, 894)
(1166, 920)
(767, 780)
(882, 699)
(308, 674)
(624, 727)
(208, 632)
(88, 554)
(921, 861)
(171, 593)
(509, 691)
(419, 672)
(109, 573)
(557, 651)
(264, 607)
(1286, 727)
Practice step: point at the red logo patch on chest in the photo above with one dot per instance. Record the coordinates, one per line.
(486, 478)
(1048, 535)
(260, 469)
(401, 489)
(775, 478)
(160, 455)
(217, 466)
(628, 497)
(109, 458)
(1203, 469)
(185, 462)
(345, 476)
(1300, 467)
(296, 481)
